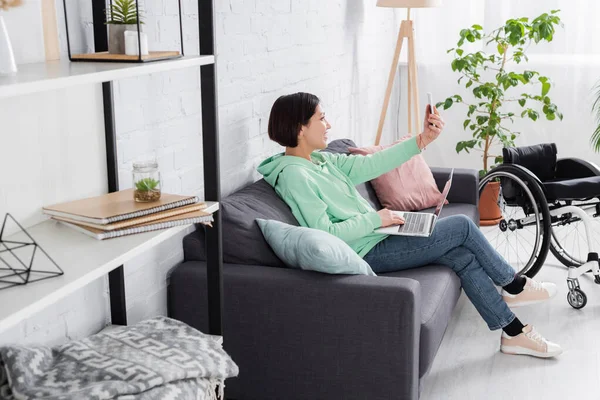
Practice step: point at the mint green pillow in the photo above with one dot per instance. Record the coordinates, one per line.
(312, 249)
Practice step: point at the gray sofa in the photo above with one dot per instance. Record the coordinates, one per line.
(305, 335)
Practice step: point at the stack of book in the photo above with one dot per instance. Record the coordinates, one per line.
(117, 214)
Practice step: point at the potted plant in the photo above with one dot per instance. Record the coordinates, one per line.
(147, 190)
(122, 15)
(498, 87)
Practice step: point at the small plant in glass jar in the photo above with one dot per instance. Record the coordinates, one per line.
(146, 180)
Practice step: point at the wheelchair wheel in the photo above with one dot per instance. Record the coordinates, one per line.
(569, 241)
(522, 237)
(577, 299)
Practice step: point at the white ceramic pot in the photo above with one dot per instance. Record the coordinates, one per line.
(8, 66)
(131, 43)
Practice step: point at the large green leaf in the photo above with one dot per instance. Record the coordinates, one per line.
(472, 109)
(546, 31)
(482, 119)
(529, 74)
(545, 88)
(534, 115)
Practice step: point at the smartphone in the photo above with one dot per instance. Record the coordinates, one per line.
(431, 104)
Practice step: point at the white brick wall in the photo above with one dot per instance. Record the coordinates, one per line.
(338, 50)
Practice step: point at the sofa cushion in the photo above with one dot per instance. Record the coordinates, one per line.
(440, 290)
(243, 242)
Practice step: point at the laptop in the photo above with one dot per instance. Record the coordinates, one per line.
(418, 223)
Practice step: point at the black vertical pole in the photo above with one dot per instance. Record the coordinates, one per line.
(116, 279)
(212, 183)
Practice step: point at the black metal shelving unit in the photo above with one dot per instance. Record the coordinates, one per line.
(210, 144)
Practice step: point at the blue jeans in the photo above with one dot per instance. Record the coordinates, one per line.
(458, 243)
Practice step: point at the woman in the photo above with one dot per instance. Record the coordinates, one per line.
(320, 189)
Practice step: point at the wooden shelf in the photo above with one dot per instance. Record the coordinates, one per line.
(82, 258)
(106, 56)
(40, 77)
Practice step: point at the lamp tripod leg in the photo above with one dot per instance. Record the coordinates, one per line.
(412, 62)
(390, 84)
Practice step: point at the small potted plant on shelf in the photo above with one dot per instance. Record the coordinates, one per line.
(493, 79)
(147, 190)
(122, 15)
(146, 179)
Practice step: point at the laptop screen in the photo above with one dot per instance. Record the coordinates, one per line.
(439, 207)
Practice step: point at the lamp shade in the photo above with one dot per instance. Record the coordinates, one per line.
(409, 3)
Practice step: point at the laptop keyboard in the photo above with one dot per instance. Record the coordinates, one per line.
(414, 223)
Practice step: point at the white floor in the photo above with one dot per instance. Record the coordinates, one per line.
(469, 364)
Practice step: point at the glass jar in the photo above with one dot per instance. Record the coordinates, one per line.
(146, 181)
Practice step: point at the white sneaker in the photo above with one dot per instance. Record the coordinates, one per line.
(533, 292)
(530, 342)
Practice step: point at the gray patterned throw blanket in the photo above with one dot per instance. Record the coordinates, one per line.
(159, 358)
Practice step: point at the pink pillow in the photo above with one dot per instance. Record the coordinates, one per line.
(409, 187)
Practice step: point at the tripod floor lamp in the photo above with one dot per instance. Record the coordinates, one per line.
(406, 31)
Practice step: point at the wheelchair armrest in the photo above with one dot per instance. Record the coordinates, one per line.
(573, 168)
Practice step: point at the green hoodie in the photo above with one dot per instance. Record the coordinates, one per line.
(322, 193)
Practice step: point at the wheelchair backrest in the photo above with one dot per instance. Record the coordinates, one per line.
(540, 159)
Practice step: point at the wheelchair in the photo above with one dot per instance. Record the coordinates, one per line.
(547, 205)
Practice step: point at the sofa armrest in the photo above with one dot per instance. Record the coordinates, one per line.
(465, 184)
(287, 329)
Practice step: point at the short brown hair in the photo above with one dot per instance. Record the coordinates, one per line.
(288, 114)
